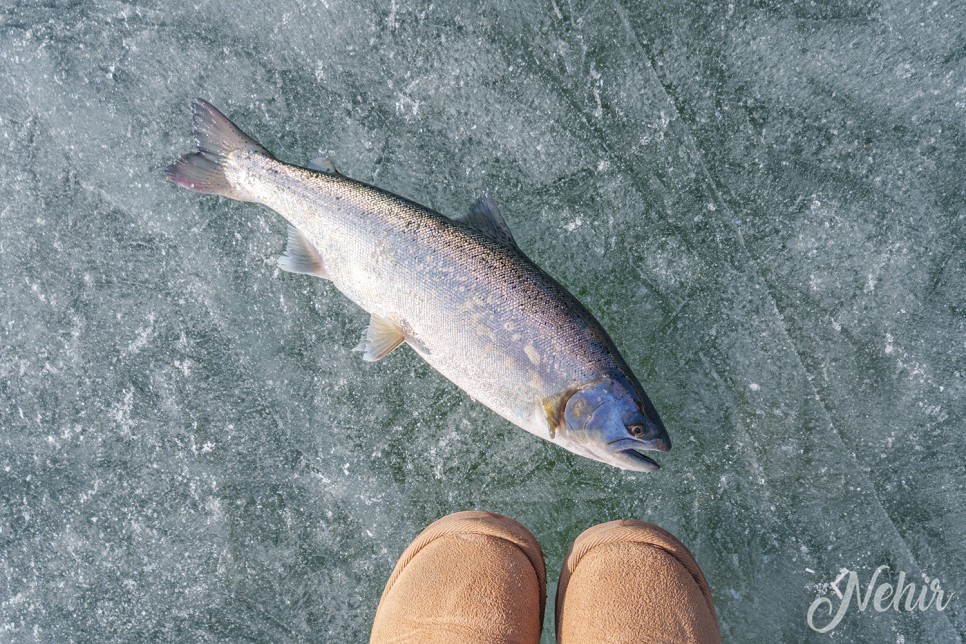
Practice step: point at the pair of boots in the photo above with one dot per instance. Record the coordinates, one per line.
(480, 577)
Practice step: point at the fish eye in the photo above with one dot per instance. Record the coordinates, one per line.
(636, 430)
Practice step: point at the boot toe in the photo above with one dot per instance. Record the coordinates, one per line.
(631, 581)
(468, 577)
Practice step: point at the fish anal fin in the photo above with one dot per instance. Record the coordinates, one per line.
(380, 339)
(485, 217)
(301, 256)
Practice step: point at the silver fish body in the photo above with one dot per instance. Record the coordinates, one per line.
(458, 291)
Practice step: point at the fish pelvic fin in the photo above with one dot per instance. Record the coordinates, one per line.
(208, 170)
(380, 339)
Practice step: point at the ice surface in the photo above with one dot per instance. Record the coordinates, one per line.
(762, 202)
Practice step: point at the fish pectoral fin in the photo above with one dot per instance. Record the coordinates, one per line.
(301, 256)
(485, 217)
(553, 408)
(322, 164)
(380, 339)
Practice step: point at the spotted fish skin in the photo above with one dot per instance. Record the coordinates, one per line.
(457, 290)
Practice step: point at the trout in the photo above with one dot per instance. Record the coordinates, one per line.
(458, 290)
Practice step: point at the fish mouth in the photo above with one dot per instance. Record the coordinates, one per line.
(628, 452)
(646, 464)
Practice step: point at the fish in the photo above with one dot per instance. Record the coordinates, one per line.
(458, 290)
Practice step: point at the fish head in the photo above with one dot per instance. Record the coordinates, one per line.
(612, 420)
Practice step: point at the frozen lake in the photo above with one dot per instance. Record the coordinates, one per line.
(763, 202)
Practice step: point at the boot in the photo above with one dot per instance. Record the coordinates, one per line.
(630, 581)
(468, 577)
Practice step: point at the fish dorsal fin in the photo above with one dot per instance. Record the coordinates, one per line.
(301, 256)
(322, 164)
(380, 339)
(486, 218)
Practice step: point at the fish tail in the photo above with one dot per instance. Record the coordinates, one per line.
(209, 169)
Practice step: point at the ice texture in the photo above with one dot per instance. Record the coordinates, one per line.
(763, 202)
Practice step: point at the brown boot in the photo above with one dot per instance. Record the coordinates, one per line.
(630, 581)
(468, 577)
